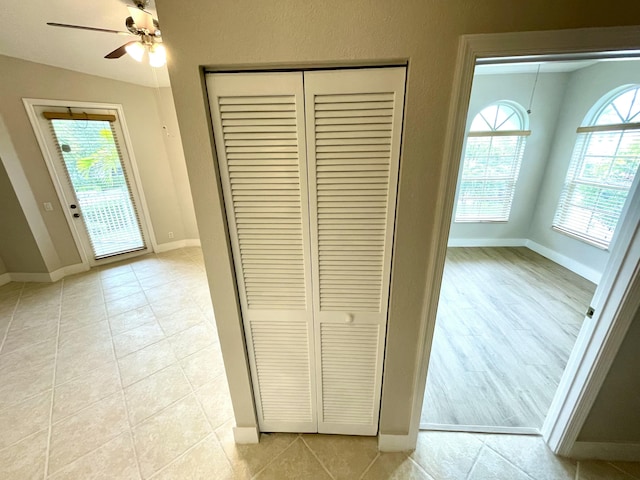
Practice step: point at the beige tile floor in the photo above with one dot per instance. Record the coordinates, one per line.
(117, 374)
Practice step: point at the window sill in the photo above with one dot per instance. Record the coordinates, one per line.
(575, 236)
(474, 220)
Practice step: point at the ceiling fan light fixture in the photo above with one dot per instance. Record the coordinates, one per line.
(135, 50)
(157, 55)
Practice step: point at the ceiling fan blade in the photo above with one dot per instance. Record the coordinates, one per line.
(82, 27)
(118, 52)
(142, 19)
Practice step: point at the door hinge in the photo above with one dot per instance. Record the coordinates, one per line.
(590, 312)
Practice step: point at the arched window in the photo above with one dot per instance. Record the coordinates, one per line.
(604, 163)
(492, 159)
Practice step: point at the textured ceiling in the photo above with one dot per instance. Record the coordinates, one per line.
(25, 34)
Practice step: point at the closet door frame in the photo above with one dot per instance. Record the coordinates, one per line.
(312, 298)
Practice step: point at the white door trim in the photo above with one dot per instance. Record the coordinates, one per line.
(30, 105)
(589, 361)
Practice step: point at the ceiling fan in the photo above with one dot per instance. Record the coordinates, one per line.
(140, 23)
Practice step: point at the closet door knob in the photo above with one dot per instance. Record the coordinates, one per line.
(348, 318)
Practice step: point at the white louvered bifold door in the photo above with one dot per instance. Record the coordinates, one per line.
(354, 123)
(258, 121)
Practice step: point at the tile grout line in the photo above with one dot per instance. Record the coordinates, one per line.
(32, 434)
(124, 397)
(20, 298)
(61, 296)
(25, 399)
(421, 468)
(15, 308)
(83, 409)
(317, 458)
(195, 396)
(146, 377)
(53, 386)
(215, 432)
(80, 312)
(134, 425)
(370, 465)
(274, 458)
(21, 349)
(185, 453)
(475, 461)
(191, 387)
(164, 408)
(84, 455)
(509, 461)
(620, 469)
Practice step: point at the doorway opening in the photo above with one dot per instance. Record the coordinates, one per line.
(551, 153)
(85, 148)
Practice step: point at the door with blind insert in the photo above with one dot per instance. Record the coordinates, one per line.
(93, 171)
(309, 166)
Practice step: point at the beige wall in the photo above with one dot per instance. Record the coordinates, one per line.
(173, 147)
(159, 160)
(18, 249)
(239, 33)
(615, 415)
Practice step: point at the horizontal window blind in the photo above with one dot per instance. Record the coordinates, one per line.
(92, 157)
(601, 172)
(489, 174)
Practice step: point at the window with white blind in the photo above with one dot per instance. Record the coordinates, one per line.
(492, 158)
(604, 163)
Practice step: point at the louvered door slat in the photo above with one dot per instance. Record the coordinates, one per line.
(353, 122)
(348, 380)
(260, 140)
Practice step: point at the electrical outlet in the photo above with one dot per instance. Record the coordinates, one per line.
(170, 234)
(48, 207)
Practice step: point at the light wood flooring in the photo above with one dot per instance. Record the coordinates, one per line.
(507, 321)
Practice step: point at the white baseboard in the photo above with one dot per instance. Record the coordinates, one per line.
(613, 452)
(396, 443)
(246, 435)
(576, 267)
(487, 242)
(31, 277)
(569, 263)
(165, 247)
(47, 277)
(69, 270)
